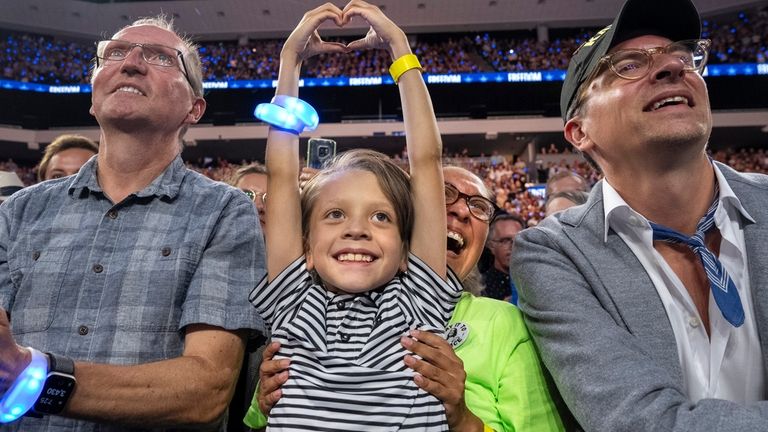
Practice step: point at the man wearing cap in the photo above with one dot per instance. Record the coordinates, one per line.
(649, 303)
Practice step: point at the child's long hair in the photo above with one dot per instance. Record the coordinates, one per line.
(394, 183)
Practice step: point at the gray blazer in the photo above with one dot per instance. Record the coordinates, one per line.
(603, 332)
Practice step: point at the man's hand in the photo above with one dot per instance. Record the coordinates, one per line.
(272, 375)
(441, 373)
(13, 358)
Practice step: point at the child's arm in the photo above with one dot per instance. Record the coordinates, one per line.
(428, 240)
(283, 232)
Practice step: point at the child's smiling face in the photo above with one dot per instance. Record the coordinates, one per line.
(354, 243)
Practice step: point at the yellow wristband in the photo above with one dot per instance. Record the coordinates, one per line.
(403, 65)
(487, 428)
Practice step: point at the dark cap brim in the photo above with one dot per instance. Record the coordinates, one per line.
(673, 19)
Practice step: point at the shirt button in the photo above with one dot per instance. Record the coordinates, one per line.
(97, 268)
(694, 321)
(82, 330)
(342, 305)
(35, 255)
(112, 214)
(166, 251)
(635, 221)
(344, 337)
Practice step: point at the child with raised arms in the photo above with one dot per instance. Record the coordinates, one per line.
(357, 258)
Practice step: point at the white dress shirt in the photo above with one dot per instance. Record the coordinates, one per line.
(729, 364)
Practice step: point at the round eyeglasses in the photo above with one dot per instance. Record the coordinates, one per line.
(635, 63)
(479, 206)
(115, 50)
(255, 196)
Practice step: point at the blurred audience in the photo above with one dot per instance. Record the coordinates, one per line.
(564, 181)
(501, 238)
(564, 200)
(510, 180)
(65, 155)
(45, 59)
(252, 179)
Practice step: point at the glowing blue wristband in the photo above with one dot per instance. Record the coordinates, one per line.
(302, 110)
(278, 117)
(288, 113)
(26, 389)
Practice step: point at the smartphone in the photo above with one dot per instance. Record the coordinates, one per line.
(319, 151)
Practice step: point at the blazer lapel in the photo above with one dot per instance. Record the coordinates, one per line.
(754, 199)
(624, 287)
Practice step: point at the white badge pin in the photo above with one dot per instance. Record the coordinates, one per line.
(456, 334)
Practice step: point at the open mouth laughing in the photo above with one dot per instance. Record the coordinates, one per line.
(455, 242)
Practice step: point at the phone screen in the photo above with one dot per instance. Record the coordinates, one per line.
(319, 151)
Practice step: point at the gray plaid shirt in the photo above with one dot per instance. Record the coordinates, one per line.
(117, 283)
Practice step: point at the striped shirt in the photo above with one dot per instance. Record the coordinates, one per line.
(347, 370)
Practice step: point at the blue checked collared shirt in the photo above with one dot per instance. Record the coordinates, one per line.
(117, 283)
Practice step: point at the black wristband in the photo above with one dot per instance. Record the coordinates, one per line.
(58, 387)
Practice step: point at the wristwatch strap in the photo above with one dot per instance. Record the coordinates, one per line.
(63, 364)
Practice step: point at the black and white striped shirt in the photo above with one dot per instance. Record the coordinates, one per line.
(347, 370)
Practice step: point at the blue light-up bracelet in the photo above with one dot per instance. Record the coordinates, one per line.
(304, 111)
(25, 389)
(288, 113)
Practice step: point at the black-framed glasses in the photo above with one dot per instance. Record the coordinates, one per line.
(505, 241)
(635, 63)
(255, 196)
(115, 50)
(479, 206)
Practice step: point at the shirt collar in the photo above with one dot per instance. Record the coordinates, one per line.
(728, 197)
(617, 210)
(167, 184)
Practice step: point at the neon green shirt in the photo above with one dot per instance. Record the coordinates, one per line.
(505, 384)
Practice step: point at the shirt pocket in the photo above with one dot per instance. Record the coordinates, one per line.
(39, 278)
(154, 288)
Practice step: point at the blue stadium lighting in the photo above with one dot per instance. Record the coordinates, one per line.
(25, 389)
(463, 78)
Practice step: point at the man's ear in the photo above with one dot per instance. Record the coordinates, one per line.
(197, 110)
(577, 135)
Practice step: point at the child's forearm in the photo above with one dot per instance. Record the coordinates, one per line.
(283, 233)
(425, 161)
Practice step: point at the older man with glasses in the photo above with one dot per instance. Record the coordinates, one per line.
(649, 303)
(132, 275)
(501, 238)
